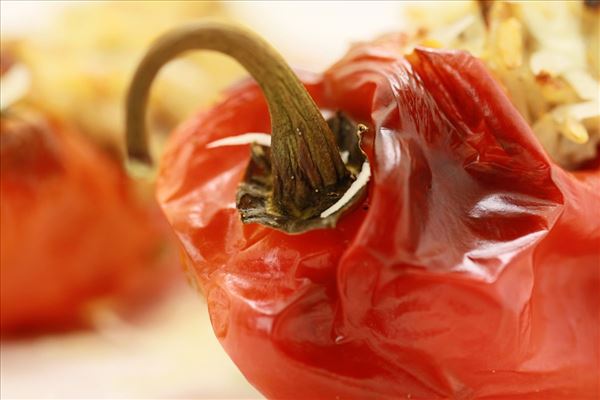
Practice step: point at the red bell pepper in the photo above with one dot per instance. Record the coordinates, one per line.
(75, 233)
(470, 270)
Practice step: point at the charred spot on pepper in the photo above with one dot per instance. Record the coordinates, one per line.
(255, 193)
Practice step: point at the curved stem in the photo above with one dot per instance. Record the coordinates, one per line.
(304, 155)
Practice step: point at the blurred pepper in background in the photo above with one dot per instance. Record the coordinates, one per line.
(76, 232)
(78, 235)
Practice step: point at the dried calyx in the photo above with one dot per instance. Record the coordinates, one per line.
(255, 193)
(289, 185)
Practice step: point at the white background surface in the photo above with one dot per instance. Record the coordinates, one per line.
(173, 353)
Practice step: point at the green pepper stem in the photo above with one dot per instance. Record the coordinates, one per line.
(304, 156)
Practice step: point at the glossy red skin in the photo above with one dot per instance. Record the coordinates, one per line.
(74, 233)
(471, 271)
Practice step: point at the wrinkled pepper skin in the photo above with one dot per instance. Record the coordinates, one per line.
(470, 271)
(75, 234)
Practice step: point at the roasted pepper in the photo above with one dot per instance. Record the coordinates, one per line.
(467, 267)
(77, 234)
